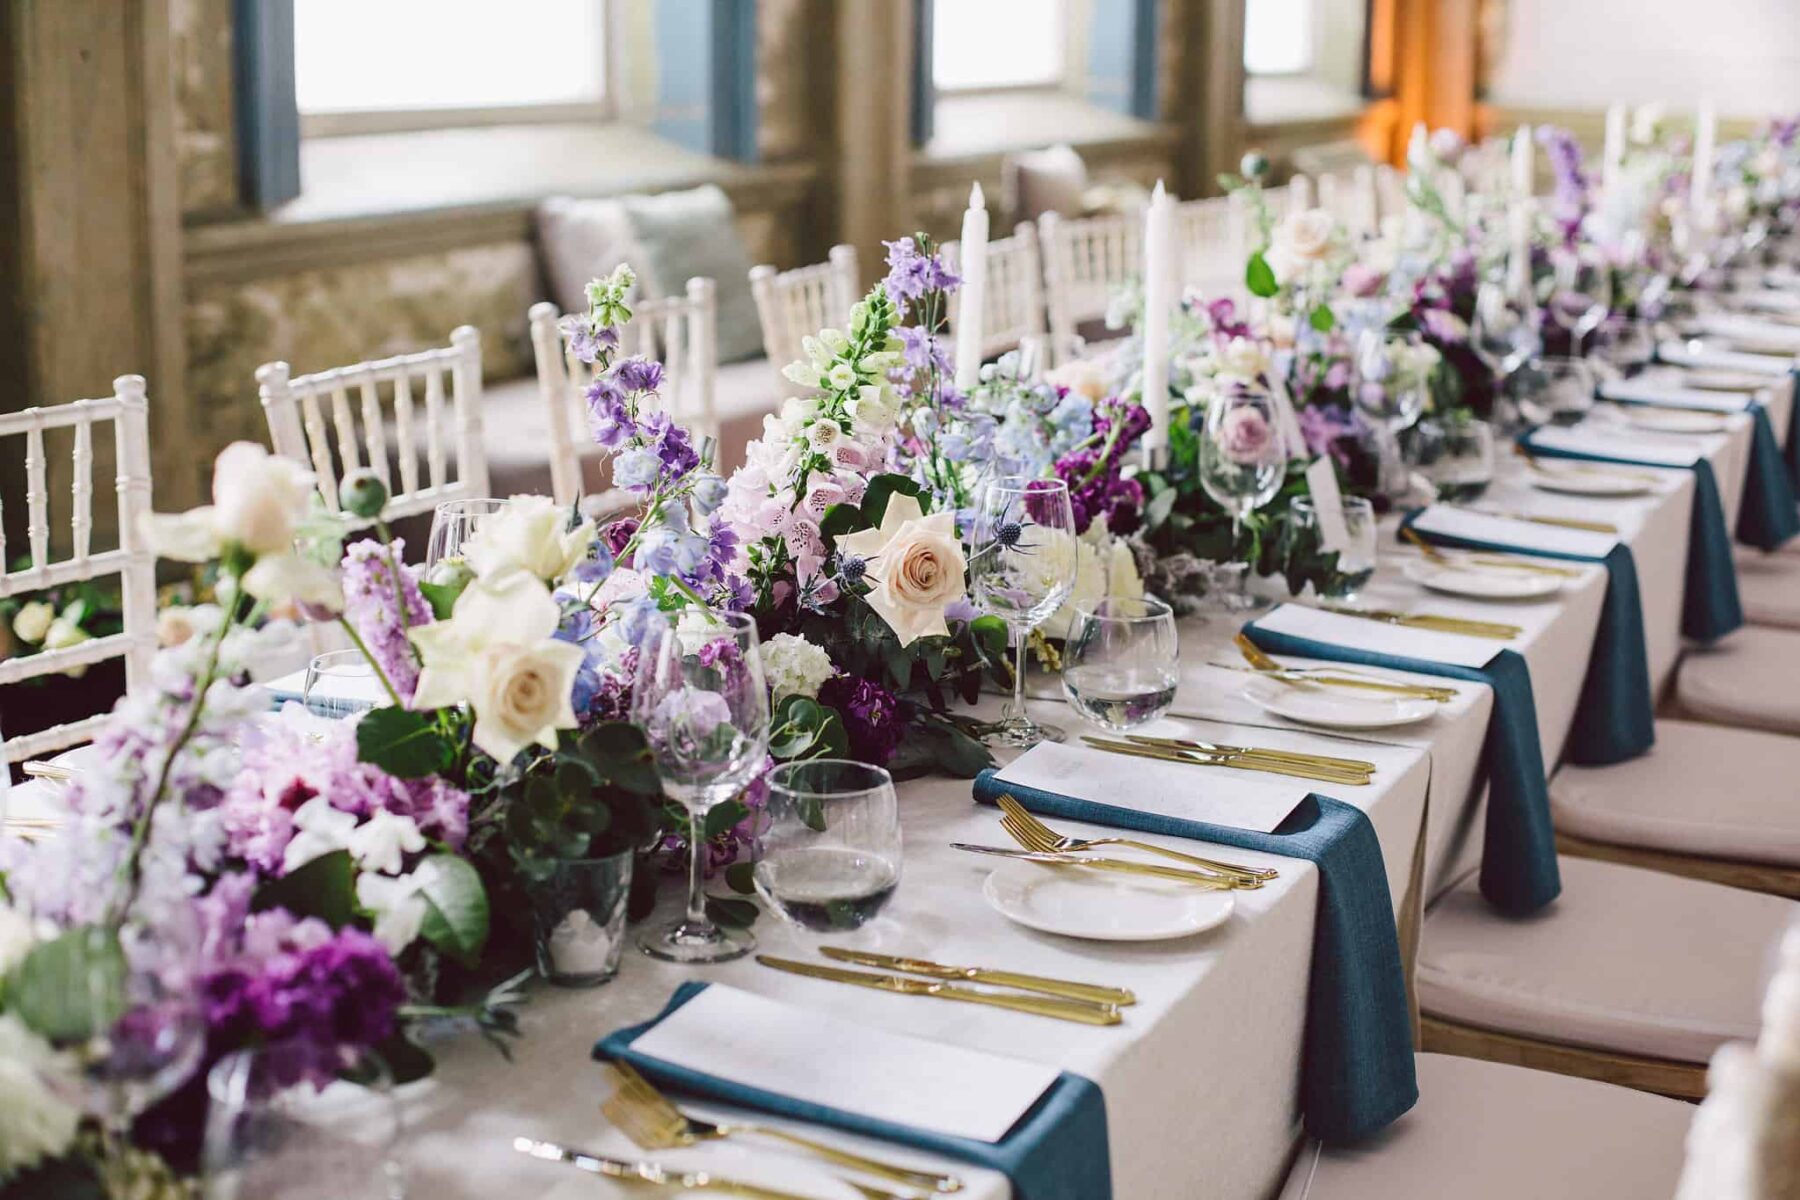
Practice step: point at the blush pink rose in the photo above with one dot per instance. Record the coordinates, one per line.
(1244, 435)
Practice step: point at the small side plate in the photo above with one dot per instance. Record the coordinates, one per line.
(1102, 906)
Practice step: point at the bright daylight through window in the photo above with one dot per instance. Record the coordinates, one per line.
(1278, 36)
(997, 44)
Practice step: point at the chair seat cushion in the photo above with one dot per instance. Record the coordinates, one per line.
(1705, 790)
(1769, 588)
(1487, 1131)
(1751, 678)
(516, 426)
(1627, 960)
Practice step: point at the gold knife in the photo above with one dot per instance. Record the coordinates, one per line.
(1359, 765)
(1497, 630)
(1011, 979)
(647, 1172)
(1318, 675)
(1121, 866)
(1559, 522)
(1082, 1011)
(1198, 759)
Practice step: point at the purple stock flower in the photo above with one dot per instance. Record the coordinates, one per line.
(638, 374)
(1570, 202)
(372, 604)
(608, 418)
(871, 716)
(912, 275)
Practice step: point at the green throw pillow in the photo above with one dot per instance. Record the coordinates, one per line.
(691, 233)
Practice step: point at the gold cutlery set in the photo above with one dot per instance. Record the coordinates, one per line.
(1318, 678)
(1322, 768)
(1480, 559)
(1500, 631)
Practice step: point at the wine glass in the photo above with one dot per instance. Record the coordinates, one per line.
(700, 698)
(1456, 455)
(1243, 459)
(340, 683)
(1565, 391)
(453, 523)
(1356, 558)
(270, 1137)
(1022, 560)
(831, 853)
(1391, 388)
(1504, 333)
(1120, 660)
(1580, 288)
(1628, 346)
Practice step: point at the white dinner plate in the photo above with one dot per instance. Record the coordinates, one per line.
(1672, 420)
(1336, 707)
(1103, 906)
(1482, 583)
(1710, 380)
(1578, 480)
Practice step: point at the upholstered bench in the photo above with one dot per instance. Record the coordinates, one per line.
(1769, 588)
(1750, 679)
(1487, 1131)
(1630, 975)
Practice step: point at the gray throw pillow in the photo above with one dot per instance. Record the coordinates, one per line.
(684, 234)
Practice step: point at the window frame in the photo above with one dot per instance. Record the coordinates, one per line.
(359, 122)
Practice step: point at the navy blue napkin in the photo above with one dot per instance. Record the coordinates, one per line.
(1357, 1071)
(1616, 719)
(1793, 434)
(1056, 1151)
(1518, 858)
(1709, 601)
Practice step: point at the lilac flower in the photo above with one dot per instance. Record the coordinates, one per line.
(911, 275)
(372, 605)
(1569, 205)
(871, 716)
(597, 566)
(638, 374)
(638, 619)
(638, 470)
(608, 418)
(587, 341)
(921, 350)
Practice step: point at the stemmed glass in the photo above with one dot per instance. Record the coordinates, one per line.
(701, 701)
(1565, 390)
(452, 524)
(1120, 660)
(1580, 288)
(831, 852)
(1243, 458)
(1022, 567)
(1392, 391)
(1627, 346)
(1504, 334)
(340, 683)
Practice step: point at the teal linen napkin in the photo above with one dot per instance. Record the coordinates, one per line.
(1616, 719)
(1357, 1070)
(1057, 1151)
(1519, 874)
(1710, 608)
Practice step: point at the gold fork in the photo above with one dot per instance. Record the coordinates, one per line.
(1031, 833)
(653, 1122)
(1292, 676)
(1436, 555)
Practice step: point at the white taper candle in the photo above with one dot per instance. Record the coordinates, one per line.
(1613, 155)
(1706, 132)
(1524, 163)
(1159, 295)
(972, 300)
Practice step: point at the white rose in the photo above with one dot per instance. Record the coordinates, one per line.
(1082, 376)
(258, 497)
(32, 622)
(794, 666)
(916, 567)
(1308, 236)
(529, 534)
(36, 1119)
(522, 696)
(1243, 359)
(278, 579)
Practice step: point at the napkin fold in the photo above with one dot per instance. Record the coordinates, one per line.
(1710, 608)
(1518, 858)
(1056, 1151)
(1616, 718)
(1357, 1070)
(1793, 432)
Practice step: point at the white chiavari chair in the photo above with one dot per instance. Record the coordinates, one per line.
(131, 560)
(1390, 191)
(1351, 200)
(314, 421)
(1299, 194)
(1013, 316)
(796, 304)
(1213, 235)
(679, 331)
(1086, 261)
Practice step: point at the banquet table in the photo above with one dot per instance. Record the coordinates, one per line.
(1201, 1080)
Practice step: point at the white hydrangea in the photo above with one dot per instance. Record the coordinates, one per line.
(1105, 569)
(36, 1122)
(794, 666)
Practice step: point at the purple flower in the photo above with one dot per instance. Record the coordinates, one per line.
(587, 341)
(617, 535)
(372, 604)
(1569, 205)
(921, 350)
(608, 418)
(638, 374)
(871, 716)
(638, 470)
(912, 276)
(1221, 314)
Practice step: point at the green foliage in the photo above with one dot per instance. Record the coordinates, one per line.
(324, 888)
(405, 744)
(1259, 276)
(71, 987)
(456, 912)
(596, 795)
(881, 489)
(804, 728)
(1323, 319)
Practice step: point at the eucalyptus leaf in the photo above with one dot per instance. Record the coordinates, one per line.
(405, 744)
(1323, 319)
(733, 914)
(71, 987)
(740, 877)
(456, 917)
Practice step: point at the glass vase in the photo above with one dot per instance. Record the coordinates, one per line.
(578, 916)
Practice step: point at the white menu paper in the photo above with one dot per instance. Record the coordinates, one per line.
(1671, 395)
(1663, 451)
(1740, 325)
(1377, 637)
(1509, 531)
(1218, 795)
(1693, 354)
(1328, 503)
(820, 1058)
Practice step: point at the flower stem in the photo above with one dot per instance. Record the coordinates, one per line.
(357, 641)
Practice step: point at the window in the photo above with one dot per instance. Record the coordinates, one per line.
(362, 67)
(1278, 37)
(991, 44)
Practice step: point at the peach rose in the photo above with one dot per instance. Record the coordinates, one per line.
(915, 568)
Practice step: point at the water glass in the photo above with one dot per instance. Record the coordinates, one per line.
(1456, 455)
(1120, 663)
(341, 683)
(1564, 392)
(452, 524)
(1356, 559)
(831, 853)
(578, 917)
(700, 698)
(269, 1137)
(1022, 559)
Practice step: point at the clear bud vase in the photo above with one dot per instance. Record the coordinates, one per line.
(578, 913)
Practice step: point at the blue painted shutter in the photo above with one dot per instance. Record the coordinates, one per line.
(1121, 66)
(268, 117)
(924, 90)
(706, 76)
